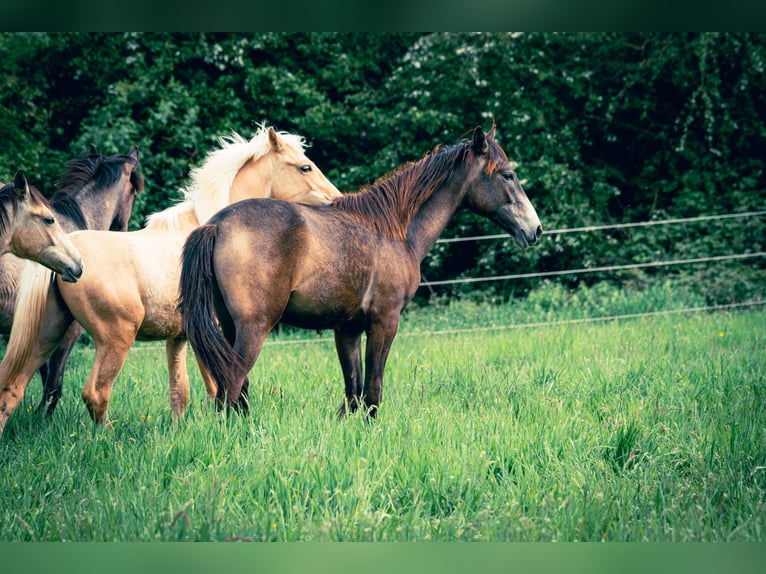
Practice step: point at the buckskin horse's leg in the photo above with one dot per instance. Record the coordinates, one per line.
(348, 344)
(380, 335)
(110, 357)
(15, 374)
(178, 376)
(210, 385)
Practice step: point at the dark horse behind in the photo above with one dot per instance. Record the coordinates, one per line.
(351, 266)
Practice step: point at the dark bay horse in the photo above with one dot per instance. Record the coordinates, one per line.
(95, 191)
(351, 266)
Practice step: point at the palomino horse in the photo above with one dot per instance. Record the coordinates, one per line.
(351, 266)
(131, 288)
(95, 192)
(29, 230)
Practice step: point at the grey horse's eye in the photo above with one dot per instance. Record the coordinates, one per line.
(48, 220)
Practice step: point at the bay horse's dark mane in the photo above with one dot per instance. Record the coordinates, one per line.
(389, 204)
(9, 200)
(102, 170)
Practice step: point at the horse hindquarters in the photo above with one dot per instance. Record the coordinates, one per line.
(198, 314)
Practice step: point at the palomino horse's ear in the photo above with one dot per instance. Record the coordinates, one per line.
(480, 145)
(21, 185)
(276, 144)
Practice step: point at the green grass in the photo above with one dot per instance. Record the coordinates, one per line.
(645, 429)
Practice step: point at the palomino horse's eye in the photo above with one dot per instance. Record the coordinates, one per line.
(305, 168)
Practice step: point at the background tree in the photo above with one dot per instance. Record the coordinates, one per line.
(604, 128)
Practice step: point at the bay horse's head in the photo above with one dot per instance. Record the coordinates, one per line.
(29, 230)
(497, 194)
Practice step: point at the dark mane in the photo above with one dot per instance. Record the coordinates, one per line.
(9, 204)
(389, 204)
(103, 171)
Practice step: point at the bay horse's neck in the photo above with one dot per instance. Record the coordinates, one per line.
(435, 213)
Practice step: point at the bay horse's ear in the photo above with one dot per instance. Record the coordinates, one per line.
(276, 145)
(480, 145)
(491, 132)
(21, 185)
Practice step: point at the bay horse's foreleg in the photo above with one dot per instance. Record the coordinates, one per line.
(348, 344)
(110, 357)
(380, 336)
(178, 376)
(52, 372)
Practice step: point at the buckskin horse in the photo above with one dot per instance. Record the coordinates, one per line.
(351, 266)
(95, 191)
(131, 288)
(29, 230)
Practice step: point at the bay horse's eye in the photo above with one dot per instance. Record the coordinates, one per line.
(508, 175)
(305, 168)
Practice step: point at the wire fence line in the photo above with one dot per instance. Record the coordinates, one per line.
(589, 228)
(596, 269)
(606, 268)
(540, 324)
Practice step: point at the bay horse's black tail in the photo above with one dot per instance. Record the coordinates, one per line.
(198, 314)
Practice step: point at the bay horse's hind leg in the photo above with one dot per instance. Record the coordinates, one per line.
(380, 336)
(178, 380)
(247, 345)
(348, 344)
(52, 372)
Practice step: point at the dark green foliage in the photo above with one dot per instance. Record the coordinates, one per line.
(604, 128)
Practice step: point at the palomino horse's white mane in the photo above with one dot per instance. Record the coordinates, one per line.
(208, 191)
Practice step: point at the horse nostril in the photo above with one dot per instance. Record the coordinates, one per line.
(538, 231)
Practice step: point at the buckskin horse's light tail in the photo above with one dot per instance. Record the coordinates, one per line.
(34, 283)
(197, 308)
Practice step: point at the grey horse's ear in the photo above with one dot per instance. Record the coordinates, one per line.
(480, 145)
(21, 185)
(133, 152)
(93, 150)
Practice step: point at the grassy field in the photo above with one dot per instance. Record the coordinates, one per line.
(644, 429)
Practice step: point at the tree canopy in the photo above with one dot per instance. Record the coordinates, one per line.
(604, 127)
